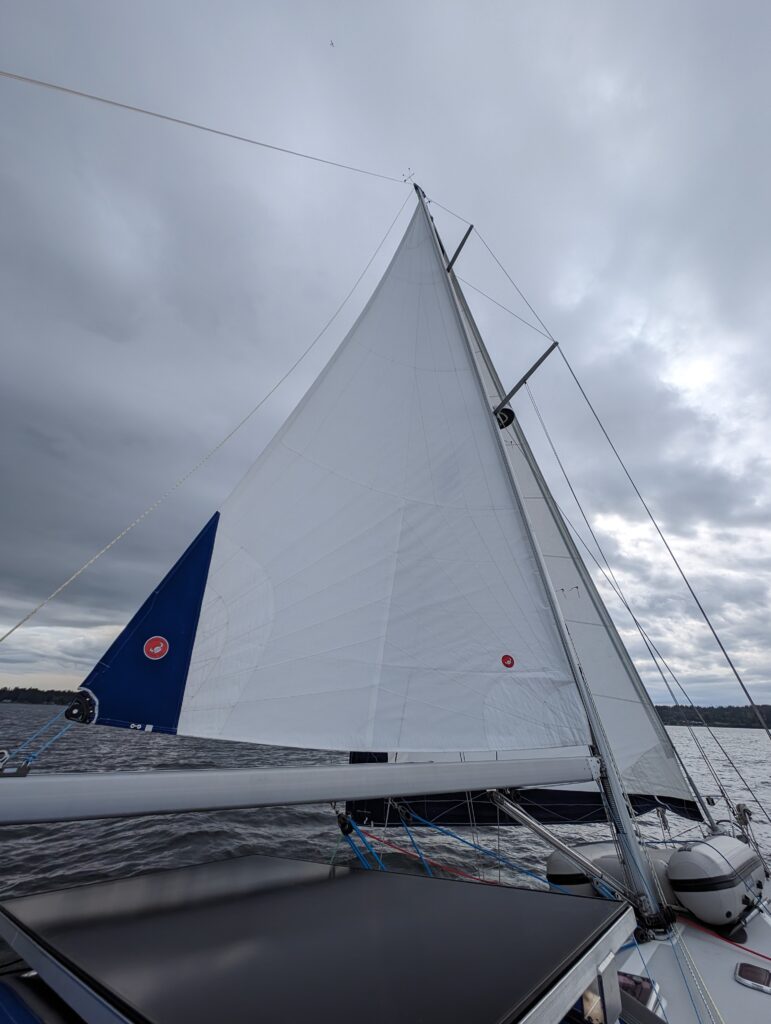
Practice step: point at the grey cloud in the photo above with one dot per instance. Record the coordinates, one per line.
(155, 282)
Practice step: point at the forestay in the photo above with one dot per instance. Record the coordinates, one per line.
(372, 583)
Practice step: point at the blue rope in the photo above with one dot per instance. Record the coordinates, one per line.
(488, 853)
(47, 744)
(35, 735)
(417, 849)
(364, 862)
(368, 846)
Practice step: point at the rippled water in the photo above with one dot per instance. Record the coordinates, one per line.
(36, 858)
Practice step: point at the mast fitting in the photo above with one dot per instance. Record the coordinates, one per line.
(463, 241)
(525, 378)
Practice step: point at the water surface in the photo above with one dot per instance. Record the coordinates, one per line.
(41, 857)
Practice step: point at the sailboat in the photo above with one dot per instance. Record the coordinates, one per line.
(393, 578)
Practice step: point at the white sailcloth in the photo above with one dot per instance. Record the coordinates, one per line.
(641, 747)
(372, 576)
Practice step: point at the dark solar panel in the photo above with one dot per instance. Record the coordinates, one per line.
(263, 939)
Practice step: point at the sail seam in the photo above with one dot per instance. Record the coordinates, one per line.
(386, 618)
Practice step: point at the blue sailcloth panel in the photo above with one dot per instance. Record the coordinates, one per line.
(140, 680)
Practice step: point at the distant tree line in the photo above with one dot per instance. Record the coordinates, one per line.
(29, 695)
(737, 718)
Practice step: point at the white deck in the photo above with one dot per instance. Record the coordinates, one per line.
(695, 974)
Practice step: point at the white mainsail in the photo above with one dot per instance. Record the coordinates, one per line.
(373, 585)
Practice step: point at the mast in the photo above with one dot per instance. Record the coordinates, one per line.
(639, 870)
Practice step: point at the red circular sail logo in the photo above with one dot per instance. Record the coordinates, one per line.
(507, 661)
(156, 648)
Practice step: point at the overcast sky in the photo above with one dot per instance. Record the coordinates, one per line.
(156, 281)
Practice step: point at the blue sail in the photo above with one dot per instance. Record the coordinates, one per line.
(140, 680)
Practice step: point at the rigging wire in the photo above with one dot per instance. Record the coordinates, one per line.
(495, 302)
(654, 652)
(713, 736)
(446, 210)
(516, 287)
(705, 615)
(198, 127)
(611, 577)
(543, 330)
(212, 451)
(671, 553)
(657, 656)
